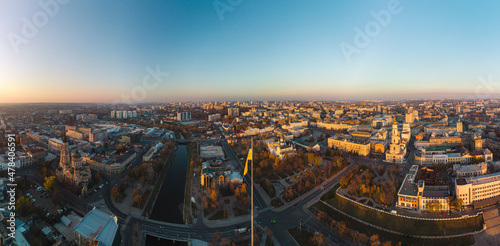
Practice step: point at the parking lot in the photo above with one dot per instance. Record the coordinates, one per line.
(41, 199)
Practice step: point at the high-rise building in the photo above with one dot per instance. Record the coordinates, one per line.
(411, 115)
(460, 126)
(233, 112)
(183, 116)
(112, 114)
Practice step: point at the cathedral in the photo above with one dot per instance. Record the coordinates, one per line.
(397, 150)
(74, 167)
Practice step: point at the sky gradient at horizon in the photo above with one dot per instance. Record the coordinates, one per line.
(94, 51)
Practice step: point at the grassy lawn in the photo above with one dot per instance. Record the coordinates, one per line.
(386, 236)
(219, 215)
(301, 237)
(269, 192)
(408, 226)
(239, 212)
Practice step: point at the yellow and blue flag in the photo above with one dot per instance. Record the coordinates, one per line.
(249, 158)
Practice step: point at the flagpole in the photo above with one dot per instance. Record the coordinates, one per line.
(251, 190)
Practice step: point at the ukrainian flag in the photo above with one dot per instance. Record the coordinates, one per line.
(249, 158)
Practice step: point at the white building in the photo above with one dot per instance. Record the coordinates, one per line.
(470, 170)
(397, 150)
(19, 161)
(213, 117)
(479, 188)
(279, 148)
(183, 116)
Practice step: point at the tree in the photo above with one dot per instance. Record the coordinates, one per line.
(138, 191)
(344, 182)
(243, 189)
(300, 188)
(322, 216)
(24, 206)
(50, 183)
(342, 228)
(204, 202)
(57, 196)
(433, 206)
(138, 201)
(318, 239)
(115, 192)
(97, 177)
(314, 159)
(307, 184)
(387, 243)
(457, 204)
(213, 196)
(374, 240)
(289, 194)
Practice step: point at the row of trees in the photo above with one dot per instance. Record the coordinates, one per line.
(383, 191)
(342, 228)
(146, 174)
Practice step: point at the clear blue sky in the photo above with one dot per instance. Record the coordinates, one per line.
(95, 51)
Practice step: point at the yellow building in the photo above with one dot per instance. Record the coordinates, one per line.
(360, 148)
(125, 139)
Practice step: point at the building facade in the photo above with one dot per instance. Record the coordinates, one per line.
(397, 148)
(360, 148)
(478, 188)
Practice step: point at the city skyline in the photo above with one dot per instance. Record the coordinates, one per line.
(257, 51)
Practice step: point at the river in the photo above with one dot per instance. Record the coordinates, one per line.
(169, 204)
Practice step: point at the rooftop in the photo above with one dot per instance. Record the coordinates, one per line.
(98, 226)
(408, 188)
(484, 179)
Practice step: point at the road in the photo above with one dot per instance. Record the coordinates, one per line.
(294, 214)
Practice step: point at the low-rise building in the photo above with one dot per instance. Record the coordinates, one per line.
(415, 195)
(211, 152)
(470, 170)
(279, 148)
